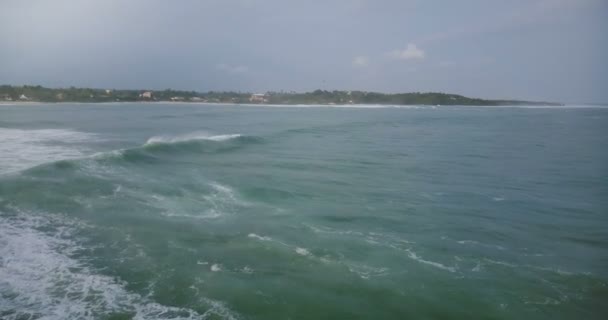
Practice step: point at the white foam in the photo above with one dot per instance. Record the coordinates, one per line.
(38, 278)
(216, 267)
(372, 238)
(555, 270)
(302, 251)
(415, 257)
(501, 263)
(21, 149)
(218, 202)
(255, 236)
(548, 269)
(328, 230)
(365, 271)
(223, 190)
(207, 214)
(547, 301)
(473, 242)
(223, 196)
(477, 267)
(199, 135)
(222, 200)
(224, 137)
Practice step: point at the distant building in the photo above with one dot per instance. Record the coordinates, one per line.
(146, 95)
(108, 91)
(197, 99)
(258, 98)
(177, 99)
(23, 97)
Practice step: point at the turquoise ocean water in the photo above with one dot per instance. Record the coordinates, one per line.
(152, 211)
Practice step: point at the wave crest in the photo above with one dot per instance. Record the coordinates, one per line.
(195, 143)
(194, 136)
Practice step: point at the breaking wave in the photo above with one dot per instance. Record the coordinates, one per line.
(156, 150)
(163, 146)
(191, 137)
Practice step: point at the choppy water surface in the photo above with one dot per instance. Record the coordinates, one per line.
(225, 212)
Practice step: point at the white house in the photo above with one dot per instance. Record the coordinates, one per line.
(146, 95)
(258, 98)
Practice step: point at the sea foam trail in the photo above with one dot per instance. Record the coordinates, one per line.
(219, 201)
(39, 279)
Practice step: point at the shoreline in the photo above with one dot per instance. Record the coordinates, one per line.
(360, 106)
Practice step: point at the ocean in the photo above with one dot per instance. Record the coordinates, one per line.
(182, 211)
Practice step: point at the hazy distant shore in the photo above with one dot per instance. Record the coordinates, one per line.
(29, 94)
(229, 104)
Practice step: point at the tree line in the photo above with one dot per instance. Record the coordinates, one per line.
(72, 94)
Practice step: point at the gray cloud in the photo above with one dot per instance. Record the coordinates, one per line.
(361, 61)
(556, 46)
(232, 69)
(411, 52)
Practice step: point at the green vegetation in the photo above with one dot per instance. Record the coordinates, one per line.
(42, 94)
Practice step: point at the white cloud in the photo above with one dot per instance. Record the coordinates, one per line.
(361, 61)
(411, 52)
(232, 69)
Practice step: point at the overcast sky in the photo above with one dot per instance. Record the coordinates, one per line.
(527, 49)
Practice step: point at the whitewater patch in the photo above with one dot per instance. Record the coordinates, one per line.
(40, 279)
(224, 194)
(21, 149)
(302, 251)
(246, 270)
(222, 199)
(219, 201)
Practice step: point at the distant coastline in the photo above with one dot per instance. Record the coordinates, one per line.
(37, 94)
